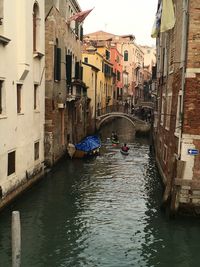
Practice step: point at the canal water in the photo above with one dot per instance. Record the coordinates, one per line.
(101, 212)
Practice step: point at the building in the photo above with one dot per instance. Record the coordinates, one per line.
(66, 94)
(177, 133)
(90, 77)
(149, 64)
(22, 82)
(133, 61)
(117, 61)
(98, 54)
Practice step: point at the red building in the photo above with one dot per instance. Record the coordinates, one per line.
(116, 59)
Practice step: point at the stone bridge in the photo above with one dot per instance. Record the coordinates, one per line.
(140, 125)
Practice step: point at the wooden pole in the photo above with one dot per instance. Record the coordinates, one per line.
(16, 239)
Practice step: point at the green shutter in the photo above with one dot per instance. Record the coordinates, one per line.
(68, 68)
(57, 63)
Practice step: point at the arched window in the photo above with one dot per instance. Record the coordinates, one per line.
(125, 55)
(35, 27)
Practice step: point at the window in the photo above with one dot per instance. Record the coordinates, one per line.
(36, 150)
(19, 98)
(162, 110)
(68, 62)
(118, 76)
(35, 96)
(57, 62)
(35, 27)
(125, 55)
(107, 55)
(168, 115)
(86, 59)
(11, 163)
(178, 114)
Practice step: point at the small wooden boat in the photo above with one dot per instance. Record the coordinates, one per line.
(114, 141)
(88, 147)
(124, 152)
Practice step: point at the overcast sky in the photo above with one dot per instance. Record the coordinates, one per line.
(121, 17)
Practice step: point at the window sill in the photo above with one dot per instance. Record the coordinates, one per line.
(12, 176)
(3, 117)
(20, 113)
(3, 40)
(37, 54)
(36, 111)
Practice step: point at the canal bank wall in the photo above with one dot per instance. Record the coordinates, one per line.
(20, 187)
(182, 196)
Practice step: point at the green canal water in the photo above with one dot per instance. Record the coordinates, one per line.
(101, 212)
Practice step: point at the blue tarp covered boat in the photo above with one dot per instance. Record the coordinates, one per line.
(89, 146)
(89, 143)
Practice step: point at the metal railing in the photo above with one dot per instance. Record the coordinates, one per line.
(112, 108)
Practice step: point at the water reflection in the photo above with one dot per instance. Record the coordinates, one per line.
(101, 212)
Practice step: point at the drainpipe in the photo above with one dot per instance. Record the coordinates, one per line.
(183, 66)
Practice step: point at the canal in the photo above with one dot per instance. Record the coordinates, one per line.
(101, 212)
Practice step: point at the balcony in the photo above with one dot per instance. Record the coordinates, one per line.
(76, 90)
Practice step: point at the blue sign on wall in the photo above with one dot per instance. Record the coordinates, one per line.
(192, 151)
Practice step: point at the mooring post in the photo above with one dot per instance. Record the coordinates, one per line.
(16, 239)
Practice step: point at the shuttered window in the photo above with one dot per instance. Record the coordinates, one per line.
(35, 105)
(77, 70)
(68, 69)
(35, 27)
(57, 63)
(125, 55)
(11, 163)
(19, 98)
(36, 150)
(81, 33)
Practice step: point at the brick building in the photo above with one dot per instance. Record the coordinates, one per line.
(66, 95)
(177, 127)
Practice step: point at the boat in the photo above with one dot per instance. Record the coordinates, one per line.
(88, 147)
(114, 139)
(115, 142)
(124, 152)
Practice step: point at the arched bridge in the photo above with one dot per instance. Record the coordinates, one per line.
(121, 112)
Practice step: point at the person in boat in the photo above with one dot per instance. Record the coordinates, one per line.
(125, 148)
(114, 136)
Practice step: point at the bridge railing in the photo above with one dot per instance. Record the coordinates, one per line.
(141, 113)
(110, 109)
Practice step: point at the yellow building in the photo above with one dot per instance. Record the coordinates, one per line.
(96, 57)
(90, 73)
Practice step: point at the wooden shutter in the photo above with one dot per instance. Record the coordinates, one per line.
(77, 70)
(57, 63)
(81, 33)
(68, 68)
